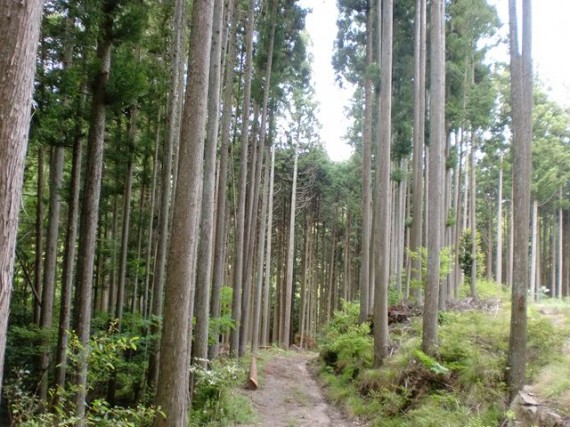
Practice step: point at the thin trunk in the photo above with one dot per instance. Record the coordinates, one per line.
(221, 211)
(416, 231)
(286, 332)
(90, 205)
(48, 295)
(68, 265)
(38, 268)
(167, 178)
(267, 282)
(534, 250)
(367, 170)
(473, 219)
(436, 165)
(499, 260)
(382, 202)
(240, 220)
(521, 100)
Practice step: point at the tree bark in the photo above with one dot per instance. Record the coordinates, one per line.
(166, 178)
(221, 211)
(48, 294)
(521, 107)
(416, 231)
(19, 32)
(172, 386)
(383, 201)
(90, 208)
(436, 165)
(240, 220)
(286, 332)
(367, 170)
(204, 273)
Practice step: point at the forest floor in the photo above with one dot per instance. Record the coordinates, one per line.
(290, 396)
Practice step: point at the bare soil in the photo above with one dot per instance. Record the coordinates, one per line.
(290, 396)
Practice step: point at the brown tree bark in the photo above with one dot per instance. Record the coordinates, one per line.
(521, 107)
(383, 200)
(435, 174)
(172, 386)
(19, 32)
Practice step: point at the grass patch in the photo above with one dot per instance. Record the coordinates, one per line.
(463, 386)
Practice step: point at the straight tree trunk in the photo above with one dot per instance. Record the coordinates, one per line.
(383, 201)
(204, 268)
(499, 261)
(90, 208)
(534, 250)
(473, 219)
(416, 231)
(166, 179)
(286, 332)
(367, 170)
(39, 246)
(240, 220)
(436, 165)
(521, 107)
(68, 264)
(221, 211)
(267, 282)
(172, 385)
(263, 151)
(19, 32)
(560, 261)
(48, 294)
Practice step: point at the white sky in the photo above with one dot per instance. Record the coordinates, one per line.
(551, 52)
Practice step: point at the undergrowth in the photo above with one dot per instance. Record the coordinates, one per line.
(463, 386)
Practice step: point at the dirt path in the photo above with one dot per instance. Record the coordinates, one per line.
(289, 396)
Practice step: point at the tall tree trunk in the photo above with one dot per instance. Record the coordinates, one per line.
(382, 202)
(534, 249)
(68, 264)
(39, 246)
(123, 256)
(263, 151)
(90, 208)
(267, 282)
(560, 260)
(220, 233)
(521, 107)
(240, 220)
(48, 294)
(172, 386)
(499, 259)
(19, 32)
(286, 332)
(473, 219)
(167, 177)
(367, 170)
(416, 231)
(204, 272)
(436, 165)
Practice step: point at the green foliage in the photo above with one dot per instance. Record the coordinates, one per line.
(224, 323)
(445, 263)
(104, 354)
(466, 255)
(215, 401)
(462, 386)
(347, 345)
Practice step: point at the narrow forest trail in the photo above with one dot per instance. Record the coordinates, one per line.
(289, 396)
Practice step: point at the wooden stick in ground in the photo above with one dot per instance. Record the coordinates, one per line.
(252, 377)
